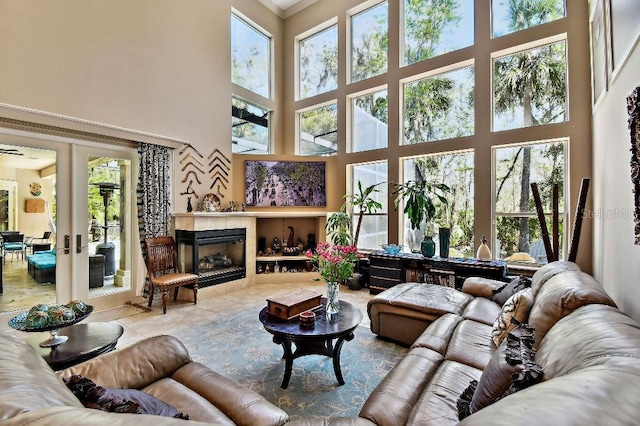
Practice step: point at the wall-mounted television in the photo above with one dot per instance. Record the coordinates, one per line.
(285, 183)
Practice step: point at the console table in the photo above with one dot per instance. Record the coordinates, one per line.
(389, 270)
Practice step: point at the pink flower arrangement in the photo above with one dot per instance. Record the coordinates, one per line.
(334, 262)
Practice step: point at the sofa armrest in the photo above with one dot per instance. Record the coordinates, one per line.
(134, 366)
(482, 287)
(242, 405)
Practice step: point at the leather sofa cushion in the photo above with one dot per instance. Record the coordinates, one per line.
(549, 271)
(471, 344)
(437, 404)
(561, 295)
(28, 383)
(482, 310)
(392, 400)
(481, 287)
(437, 336)
(614, 342)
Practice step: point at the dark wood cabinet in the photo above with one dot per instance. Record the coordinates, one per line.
(390, 270)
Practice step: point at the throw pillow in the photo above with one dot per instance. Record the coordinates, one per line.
(501, 295)
(119, 400)
(515, 311)
(510, 369)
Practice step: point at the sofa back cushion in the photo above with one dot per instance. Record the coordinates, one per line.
(549, 271)
(560, 296)
(28, 383)
(591, 336)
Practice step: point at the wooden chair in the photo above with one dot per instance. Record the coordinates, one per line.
(162, 268)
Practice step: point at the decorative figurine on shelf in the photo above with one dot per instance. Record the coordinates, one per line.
(276, 244)
(189, 206)
(484, 253)
(244, 207)
(300, 245)
(290, 239)
(276, 268)
(311, 242)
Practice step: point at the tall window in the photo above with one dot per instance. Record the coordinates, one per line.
(369, 42)
(509, 16)
(318, 63)
(439, 107)
(456, 171)
(373, 228)
(249, 127)
(434, 27)
(369, 118)
(518, 232)
(530, 87)
(318, 130)
(250, 57)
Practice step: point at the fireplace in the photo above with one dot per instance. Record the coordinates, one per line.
(216, 256)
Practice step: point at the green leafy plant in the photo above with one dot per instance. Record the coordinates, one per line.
(365, 203)
(419, 197)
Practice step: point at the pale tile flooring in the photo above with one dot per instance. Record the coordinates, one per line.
(213, 302)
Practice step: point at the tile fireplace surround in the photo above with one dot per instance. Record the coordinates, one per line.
(247, 220)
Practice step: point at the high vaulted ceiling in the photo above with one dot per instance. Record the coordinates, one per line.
(286, 8)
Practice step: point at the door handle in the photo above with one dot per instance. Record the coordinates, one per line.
(78, 243)
(67, 242)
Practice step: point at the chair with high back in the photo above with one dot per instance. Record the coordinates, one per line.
(162, 269)
(12, 243)
(38, 241)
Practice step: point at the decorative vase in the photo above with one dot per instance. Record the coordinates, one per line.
(333, 303)
(354, 281)
(444, 235)
(484, 252)
(428, 246)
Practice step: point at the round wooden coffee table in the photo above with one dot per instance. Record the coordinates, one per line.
(85, 341)
(313, 341)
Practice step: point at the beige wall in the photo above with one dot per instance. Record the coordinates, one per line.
(615, 257)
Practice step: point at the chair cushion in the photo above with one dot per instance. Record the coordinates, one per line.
(174, 279)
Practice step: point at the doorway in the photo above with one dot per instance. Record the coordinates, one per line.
(87, 190)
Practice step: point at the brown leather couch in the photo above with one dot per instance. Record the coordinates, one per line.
(31, 393)
(589, 352)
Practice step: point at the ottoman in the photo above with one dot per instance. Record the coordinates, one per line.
(401, 313)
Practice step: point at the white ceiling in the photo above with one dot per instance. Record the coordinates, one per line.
(31, 158)
(286, 8)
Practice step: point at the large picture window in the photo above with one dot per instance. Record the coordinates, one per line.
(318, 130)
(250, 57)
(369, 42)
(455, 170)
(517, 228)
(369, 119)
(373, 229)
(249, 127)
(530, 87)
(318, 63)
(509, 16)
(434, 27)
(439, 107)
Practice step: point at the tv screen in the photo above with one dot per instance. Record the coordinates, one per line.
(285, 183)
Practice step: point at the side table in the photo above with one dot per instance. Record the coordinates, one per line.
(85, 341)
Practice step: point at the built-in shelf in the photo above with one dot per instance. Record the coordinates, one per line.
(279, 258)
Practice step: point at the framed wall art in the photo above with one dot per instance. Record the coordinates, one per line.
(624, 31)
(598, 34)
(285, 183)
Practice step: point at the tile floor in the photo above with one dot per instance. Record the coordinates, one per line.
(213, 302)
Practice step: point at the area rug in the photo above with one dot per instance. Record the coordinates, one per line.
(238, 347)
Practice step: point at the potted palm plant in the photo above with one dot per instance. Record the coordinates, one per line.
(419, 198)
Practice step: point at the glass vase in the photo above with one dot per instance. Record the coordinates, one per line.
(333, 303)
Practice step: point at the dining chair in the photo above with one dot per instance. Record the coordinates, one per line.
(12, 243)
(162, 269)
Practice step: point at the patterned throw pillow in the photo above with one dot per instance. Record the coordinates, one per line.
(510, 369)
(515, 311)
(501, 295)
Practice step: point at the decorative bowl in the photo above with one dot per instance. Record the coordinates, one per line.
(392, 248)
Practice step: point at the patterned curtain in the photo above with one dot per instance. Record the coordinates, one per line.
(154, 196)
(633, 108)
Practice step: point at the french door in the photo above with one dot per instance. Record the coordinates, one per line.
(91, 210)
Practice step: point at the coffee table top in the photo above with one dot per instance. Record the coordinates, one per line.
(86, 341)
(347, 319)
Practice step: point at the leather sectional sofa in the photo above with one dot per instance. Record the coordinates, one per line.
(33, 394)
(588, 350)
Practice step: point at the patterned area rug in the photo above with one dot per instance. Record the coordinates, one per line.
(239, 348)
(127, 310)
